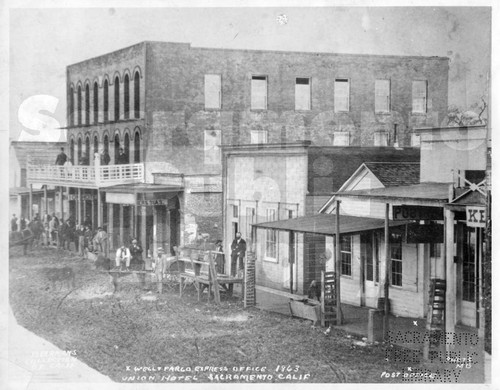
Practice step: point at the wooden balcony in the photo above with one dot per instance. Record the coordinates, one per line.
(85, 176)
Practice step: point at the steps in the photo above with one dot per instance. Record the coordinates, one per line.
(435, 315)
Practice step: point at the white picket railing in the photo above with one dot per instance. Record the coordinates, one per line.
(84, 175)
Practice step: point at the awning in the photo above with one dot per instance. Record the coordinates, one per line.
(326, 224)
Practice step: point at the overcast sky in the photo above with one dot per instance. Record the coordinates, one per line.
(44, 41)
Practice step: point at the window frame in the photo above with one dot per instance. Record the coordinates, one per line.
(309, 94)
(395, 261)
(271, 237)
(252, 78)
(219, 92)
(377, 133)
(336, 105)
(265, 132)
(387, 96)
(342, 136)
(414, 97)
(346, 256)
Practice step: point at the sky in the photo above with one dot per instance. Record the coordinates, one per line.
(43, 41)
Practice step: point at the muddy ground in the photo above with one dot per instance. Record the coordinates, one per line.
(137, 335)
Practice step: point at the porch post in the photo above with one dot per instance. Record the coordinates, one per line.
(61, 201)
(386, 269)
(337, 265)
(110, 226)
(45, 199)
(30, 210)
(121, 226)
(451, 299)
(84, 207)
(291, 257)
(79, 207)
(143, 228)
(99, 208)
(92, 209)
(155, 229)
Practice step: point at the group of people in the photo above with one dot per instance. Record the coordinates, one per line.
(105, 159)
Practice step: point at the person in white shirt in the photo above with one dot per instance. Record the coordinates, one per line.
(122, 255)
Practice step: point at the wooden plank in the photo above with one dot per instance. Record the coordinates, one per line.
(215, 282)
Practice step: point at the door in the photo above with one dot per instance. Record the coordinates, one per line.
(470, 270)
(314, 250)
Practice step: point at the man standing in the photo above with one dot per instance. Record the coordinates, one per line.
(136, 253)
(61, 158)
(122, 255)
(101, 241)
(238, 249)
(160, 268)
(122, 157)
(13, 223)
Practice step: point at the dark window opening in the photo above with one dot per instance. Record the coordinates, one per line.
(136, 95)
(106, 101)
(87, 104)
(96, 103)
(126, 98)
(137, 148)
(117, 98)
(79, 105)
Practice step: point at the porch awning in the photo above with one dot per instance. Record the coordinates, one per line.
(325, 224)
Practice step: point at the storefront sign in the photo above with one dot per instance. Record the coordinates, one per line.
(476, 216)
(152, 202)
(417, 213)
(84, 197)
(425, 234)
(120, 198)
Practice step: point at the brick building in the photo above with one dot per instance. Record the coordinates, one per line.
(170, 105)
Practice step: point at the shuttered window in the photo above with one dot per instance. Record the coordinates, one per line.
(382, 95)
(213, 91)
(341, 95)
(419, 96)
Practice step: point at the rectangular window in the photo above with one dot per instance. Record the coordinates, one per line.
(381, 138)
(212, 148)
(235, 211)
(341, 138)
(396, 259)
(259, 93)
(469, 268)
(435, 250)
(367, 255)
(382, 95)
(341, 95)
(345, 255)
(213, 91)
(258, 137)
(271, 236)
(415, 140)
(23, 178)
(302, 93)
(419, 96)
(291, 214)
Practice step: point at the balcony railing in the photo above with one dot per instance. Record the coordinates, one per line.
(86, 176)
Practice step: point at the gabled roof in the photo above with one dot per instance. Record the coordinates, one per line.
(392, 174)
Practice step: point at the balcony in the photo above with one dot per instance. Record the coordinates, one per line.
(85, 176)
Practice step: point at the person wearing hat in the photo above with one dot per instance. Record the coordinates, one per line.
(160, 267)
(122, 157)
(122, 255)
(136, 253)
(101, 241)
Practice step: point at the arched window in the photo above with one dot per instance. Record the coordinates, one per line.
(87, 104)
(117, 98)
(137, 148)
(126, 148)
(79, 154)
(106, 144)
(71, 114)
(96, 102)
(79, 100)
(117, 148)
(136, 95)
(72, 152)
(126, 97)
(106, 101)
(87, 150)
(96, 145)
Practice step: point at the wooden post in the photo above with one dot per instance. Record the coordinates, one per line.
(92, 209)
(291, 257)
(213, 275)
(45, 199)
(143, 229)
(30, 210)
(111, 227)
(99, 208)
(61, 200)
(121, 225)
(79, 207)
(451, 299)
(386, 272)
(337, 265)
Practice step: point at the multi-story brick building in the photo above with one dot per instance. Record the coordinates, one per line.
(170, 105)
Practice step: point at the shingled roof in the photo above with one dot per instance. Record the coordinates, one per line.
(393, 174)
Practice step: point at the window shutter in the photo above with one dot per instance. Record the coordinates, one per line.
(212, 91)
(341, 94)
(302, 94)
(259, 93)
(382, 95)
(419, 92)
